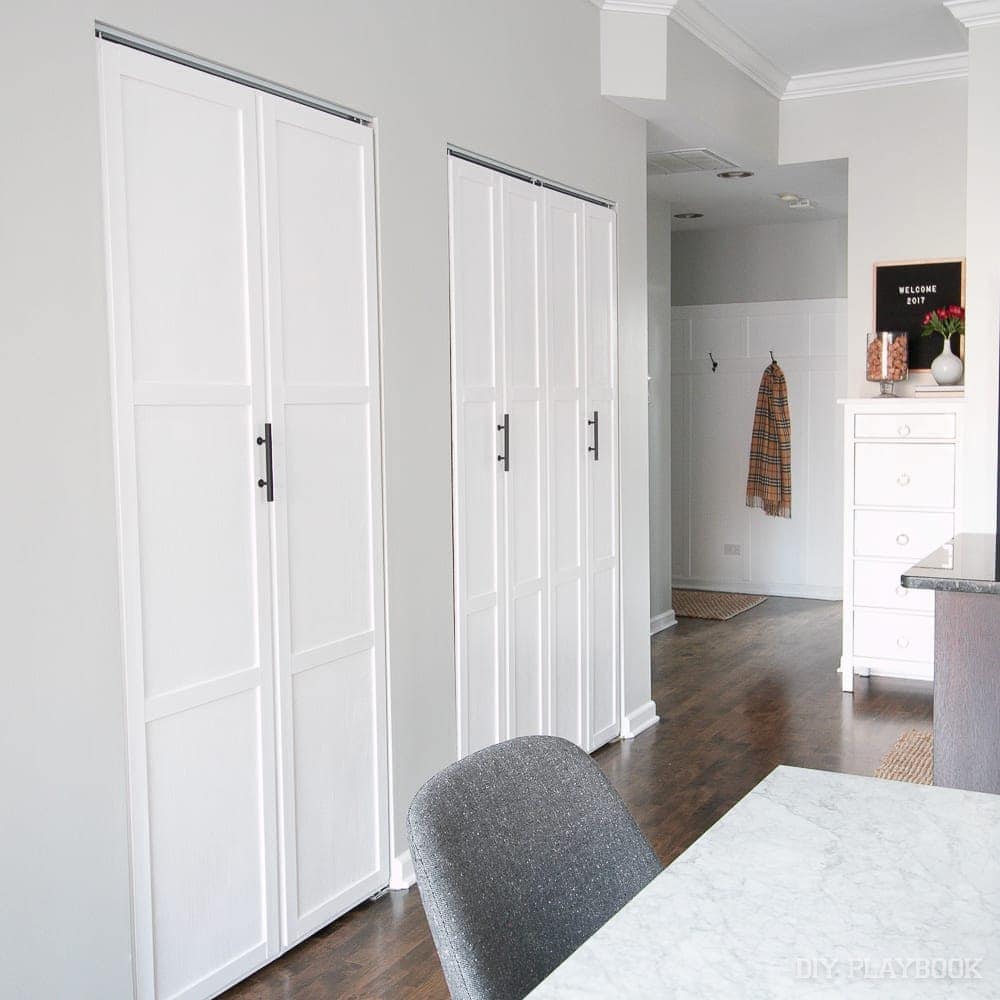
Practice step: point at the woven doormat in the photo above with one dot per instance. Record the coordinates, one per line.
(911, 759)
(709, 604)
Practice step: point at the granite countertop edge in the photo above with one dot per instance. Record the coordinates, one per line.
(965, 565)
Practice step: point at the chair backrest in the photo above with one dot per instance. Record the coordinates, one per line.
(521, 852)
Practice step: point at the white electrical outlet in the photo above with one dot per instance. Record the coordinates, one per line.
(731, 550)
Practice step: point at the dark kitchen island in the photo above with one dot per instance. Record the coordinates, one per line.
(966, 660)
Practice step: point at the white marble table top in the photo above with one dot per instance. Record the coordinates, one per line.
(813, 885)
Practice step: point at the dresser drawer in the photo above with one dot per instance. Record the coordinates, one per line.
(876, 585)
(882, 635)
(905, 425)
(900, 534)
(904, 475)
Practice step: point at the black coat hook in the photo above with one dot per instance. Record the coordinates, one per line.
(715, 364)
(773, 362)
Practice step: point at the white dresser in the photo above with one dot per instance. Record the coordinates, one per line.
(901, 501)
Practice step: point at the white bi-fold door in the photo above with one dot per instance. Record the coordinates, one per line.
(244, 340)
(535, 471)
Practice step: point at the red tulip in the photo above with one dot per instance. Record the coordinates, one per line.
(927, 319)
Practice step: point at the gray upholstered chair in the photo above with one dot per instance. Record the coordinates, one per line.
(521, 851)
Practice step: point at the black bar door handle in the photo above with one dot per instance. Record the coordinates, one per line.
(596, 446)
(505, 457)
(268, 464)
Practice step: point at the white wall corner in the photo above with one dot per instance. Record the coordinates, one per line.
(401, 873)
(890, 74)
(660, 623)
(721, 39)
(710, 31)
(639, 720)
(975, 13)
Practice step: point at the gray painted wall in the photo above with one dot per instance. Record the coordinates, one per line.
(518, 81)
(658, 281)
(775, 263)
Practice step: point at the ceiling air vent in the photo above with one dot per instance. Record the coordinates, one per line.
(687, 161)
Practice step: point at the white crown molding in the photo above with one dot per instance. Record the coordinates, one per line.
(663, 7)
(710, 31)
(891, 74)
(719, 37)
(975, 13)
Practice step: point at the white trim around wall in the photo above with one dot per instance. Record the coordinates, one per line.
(639, 720)
(401, 873)
(712, 32)
(890, 74)
(737, 51)
(975, 13)
(660, 623)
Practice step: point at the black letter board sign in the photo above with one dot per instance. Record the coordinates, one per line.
(907, 291)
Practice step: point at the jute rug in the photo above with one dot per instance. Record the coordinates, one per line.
(910, 759)
(709, 604)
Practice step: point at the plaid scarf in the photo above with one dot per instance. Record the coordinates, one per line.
(769, 481)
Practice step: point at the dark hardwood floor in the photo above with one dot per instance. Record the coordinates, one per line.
(735, 698)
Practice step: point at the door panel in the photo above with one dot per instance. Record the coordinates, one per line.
(186, 519)
(187, 339)
(186, 217)
(525, 482)
(601, 312)
(335, 747)
(328, 505)
(322, 337)
(480, 587)
(567, 500)
(204, 800)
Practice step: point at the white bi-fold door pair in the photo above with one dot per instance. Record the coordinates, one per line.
(534, 327)
(244, 337)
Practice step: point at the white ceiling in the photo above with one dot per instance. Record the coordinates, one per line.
(813, 36)
(752, 200)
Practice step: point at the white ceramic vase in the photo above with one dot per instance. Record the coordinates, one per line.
(947, 368)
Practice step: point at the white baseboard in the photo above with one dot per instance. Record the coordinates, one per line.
(401, 874)
(639, 720)
(765, 589)
(660, 623)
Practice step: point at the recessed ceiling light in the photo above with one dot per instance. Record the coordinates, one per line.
(788, 196)
(689, 215)
(732, 175)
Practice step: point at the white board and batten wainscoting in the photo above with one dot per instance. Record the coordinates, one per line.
(718, 542)
(241, 244)
(535, 348)
(902, 500)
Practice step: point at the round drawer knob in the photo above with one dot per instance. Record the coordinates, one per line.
(901, 591)
(904, 430)
(902, 539)
(902, 642)
(903, 479)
